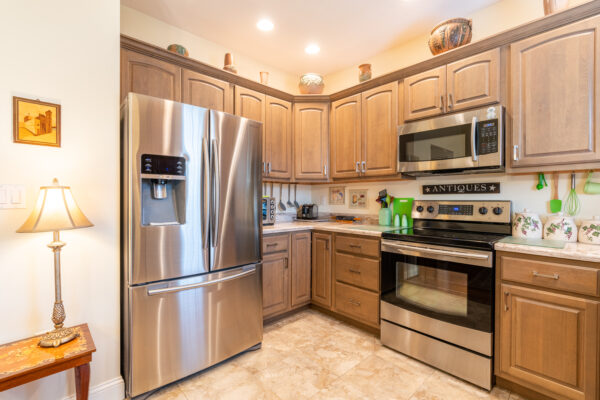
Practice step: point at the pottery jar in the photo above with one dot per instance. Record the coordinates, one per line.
(560, 227)
(527, 225)
(589, 232)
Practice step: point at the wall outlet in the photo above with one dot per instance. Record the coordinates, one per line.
(12, 196)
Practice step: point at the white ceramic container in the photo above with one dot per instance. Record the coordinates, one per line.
(527, 225)
(589, 232)
(560, 227)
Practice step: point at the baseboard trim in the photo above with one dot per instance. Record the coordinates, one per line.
(113, 389)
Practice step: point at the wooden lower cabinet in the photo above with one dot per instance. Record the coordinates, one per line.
(321, 269)
(359, 304)
(546, 341)
(286, 272)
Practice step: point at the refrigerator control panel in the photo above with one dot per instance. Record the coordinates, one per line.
(162, 165)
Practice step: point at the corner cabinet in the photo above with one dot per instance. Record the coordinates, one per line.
(555, 89)
(322, 256)
(311, 141)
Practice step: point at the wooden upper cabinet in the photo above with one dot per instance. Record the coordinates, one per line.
(473, 81)
(424, 94)
(204, 91)
(300, 268)
(278, 138)
(346, 137)
(555, 88)
(549, 341)
(380, 122)
(250, 104)
(321, 269)
(311, 139)
(150, 76)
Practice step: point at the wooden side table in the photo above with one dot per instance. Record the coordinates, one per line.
(24, 361)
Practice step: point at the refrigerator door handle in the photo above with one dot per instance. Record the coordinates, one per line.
(215, 189)
(205, 203)
(153, 292)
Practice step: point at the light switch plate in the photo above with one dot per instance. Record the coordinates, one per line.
(12, 196)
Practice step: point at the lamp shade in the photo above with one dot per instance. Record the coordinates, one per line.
(55, 210)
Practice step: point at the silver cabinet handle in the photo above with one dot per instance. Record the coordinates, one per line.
(354, 271)
(152, 292)
(516, 152)
(442, 103)
(264, 168)
(538, 275)
(285, 262)
(354, 302)
(364, 167)
(506, 294)
(356, 246)
(271, 244)
(358, 167)
(450, 101)
(325, 170)
(269, 163)
(473, 137)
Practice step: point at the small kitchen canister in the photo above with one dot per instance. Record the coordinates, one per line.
(527, 225)
(560, 227)
(589, 232)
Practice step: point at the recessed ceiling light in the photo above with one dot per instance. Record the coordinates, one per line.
(264, 25)
(312, 48)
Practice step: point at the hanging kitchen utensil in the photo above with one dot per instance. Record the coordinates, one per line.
(281, 205)
(296, 204)
(555, 203)
(591, 187)
(289, 202)
(572, 203)
(541, 182)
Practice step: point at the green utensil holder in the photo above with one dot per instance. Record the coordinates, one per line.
(385, 217)
(403, 206)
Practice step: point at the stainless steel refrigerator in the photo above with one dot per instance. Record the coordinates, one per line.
(191, 243)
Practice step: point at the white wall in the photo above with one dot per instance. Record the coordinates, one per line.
(63, 51)
(154, 31)
(520, 189)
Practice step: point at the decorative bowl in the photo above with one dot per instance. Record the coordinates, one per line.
(589, 232)
(311, 83)
(179, 49)
(450, 34)
(560, 227)
(527, 225)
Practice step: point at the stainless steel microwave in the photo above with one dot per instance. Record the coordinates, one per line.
(467, 142)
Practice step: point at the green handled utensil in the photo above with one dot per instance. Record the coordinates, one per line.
(555, 203)
(572, 203)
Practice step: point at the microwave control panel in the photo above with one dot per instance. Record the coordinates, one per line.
(488, 137)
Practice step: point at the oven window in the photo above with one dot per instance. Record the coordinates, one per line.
(438, 144)
(432, 289)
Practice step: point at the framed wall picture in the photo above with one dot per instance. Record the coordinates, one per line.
(337, 195)
(36, 122)
(358, 198)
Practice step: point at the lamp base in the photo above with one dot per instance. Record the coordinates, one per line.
(58, 337)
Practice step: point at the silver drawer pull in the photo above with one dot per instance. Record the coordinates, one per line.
(354, 271)
(538, 275)
(271, 244)
(355, 246)
(354, 302)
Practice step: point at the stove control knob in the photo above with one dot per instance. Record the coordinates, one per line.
(420, 208)
(483, 210)
(497, 210)
(430, 209)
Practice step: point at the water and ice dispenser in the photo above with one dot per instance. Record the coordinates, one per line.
(163, 190)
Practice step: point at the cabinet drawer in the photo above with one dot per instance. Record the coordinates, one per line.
(561, 276)
(357, 303)
(357, 245)
(275, 243)
(359, 271)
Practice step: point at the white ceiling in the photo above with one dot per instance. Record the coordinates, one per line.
(348, 31)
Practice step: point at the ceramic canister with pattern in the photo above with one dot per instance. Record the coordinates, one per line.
(527, 225)
(560, 227)
(589, 232)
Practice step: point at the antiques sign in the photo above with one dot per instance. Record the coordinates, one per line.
(459, 188)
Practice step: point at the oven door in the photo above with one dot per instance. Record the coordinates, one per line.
(447, 284)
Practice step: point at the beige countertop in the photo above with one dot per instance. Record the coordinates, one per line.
(357, 229)
(571, 251)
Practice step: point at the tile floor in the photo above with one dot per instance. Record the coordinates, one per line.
(312, 356)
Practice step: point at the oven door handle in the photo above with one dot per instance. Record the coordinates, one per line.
(428, 252)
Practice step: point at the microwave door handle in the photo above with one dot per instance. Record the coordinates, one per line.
(473, 137)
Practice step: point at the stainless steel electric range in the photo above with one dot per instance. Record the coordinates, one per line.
(437, 285)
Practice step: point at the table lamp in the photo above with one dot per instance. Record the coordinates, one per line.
(56, 210)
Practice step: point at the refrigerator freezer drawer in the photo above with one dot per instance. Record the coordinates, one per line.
(180, 327)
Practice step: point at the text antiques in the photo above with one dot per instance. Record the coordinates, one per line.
(459, 188)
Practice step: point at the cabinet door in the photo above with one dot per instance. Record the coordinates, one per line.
(204, 91)
(321, 269)
(555, 87)
(276, 284)
(311, 139)
(380, 121)
(473, 81)
(150, 76)
(424, 94)
(250, 104)
(278, 138)
(346, 137)
(300, 270)
(548, 341)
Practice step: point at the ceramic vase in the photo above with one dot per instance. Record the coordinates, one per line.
(311, 83)
(264, 77)
(527, 225)
(228, 64)
(179, 49)
(552, 6)
(385, 216)
(450, 34)
(589, 232)
(364, 72)
(560, 227)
